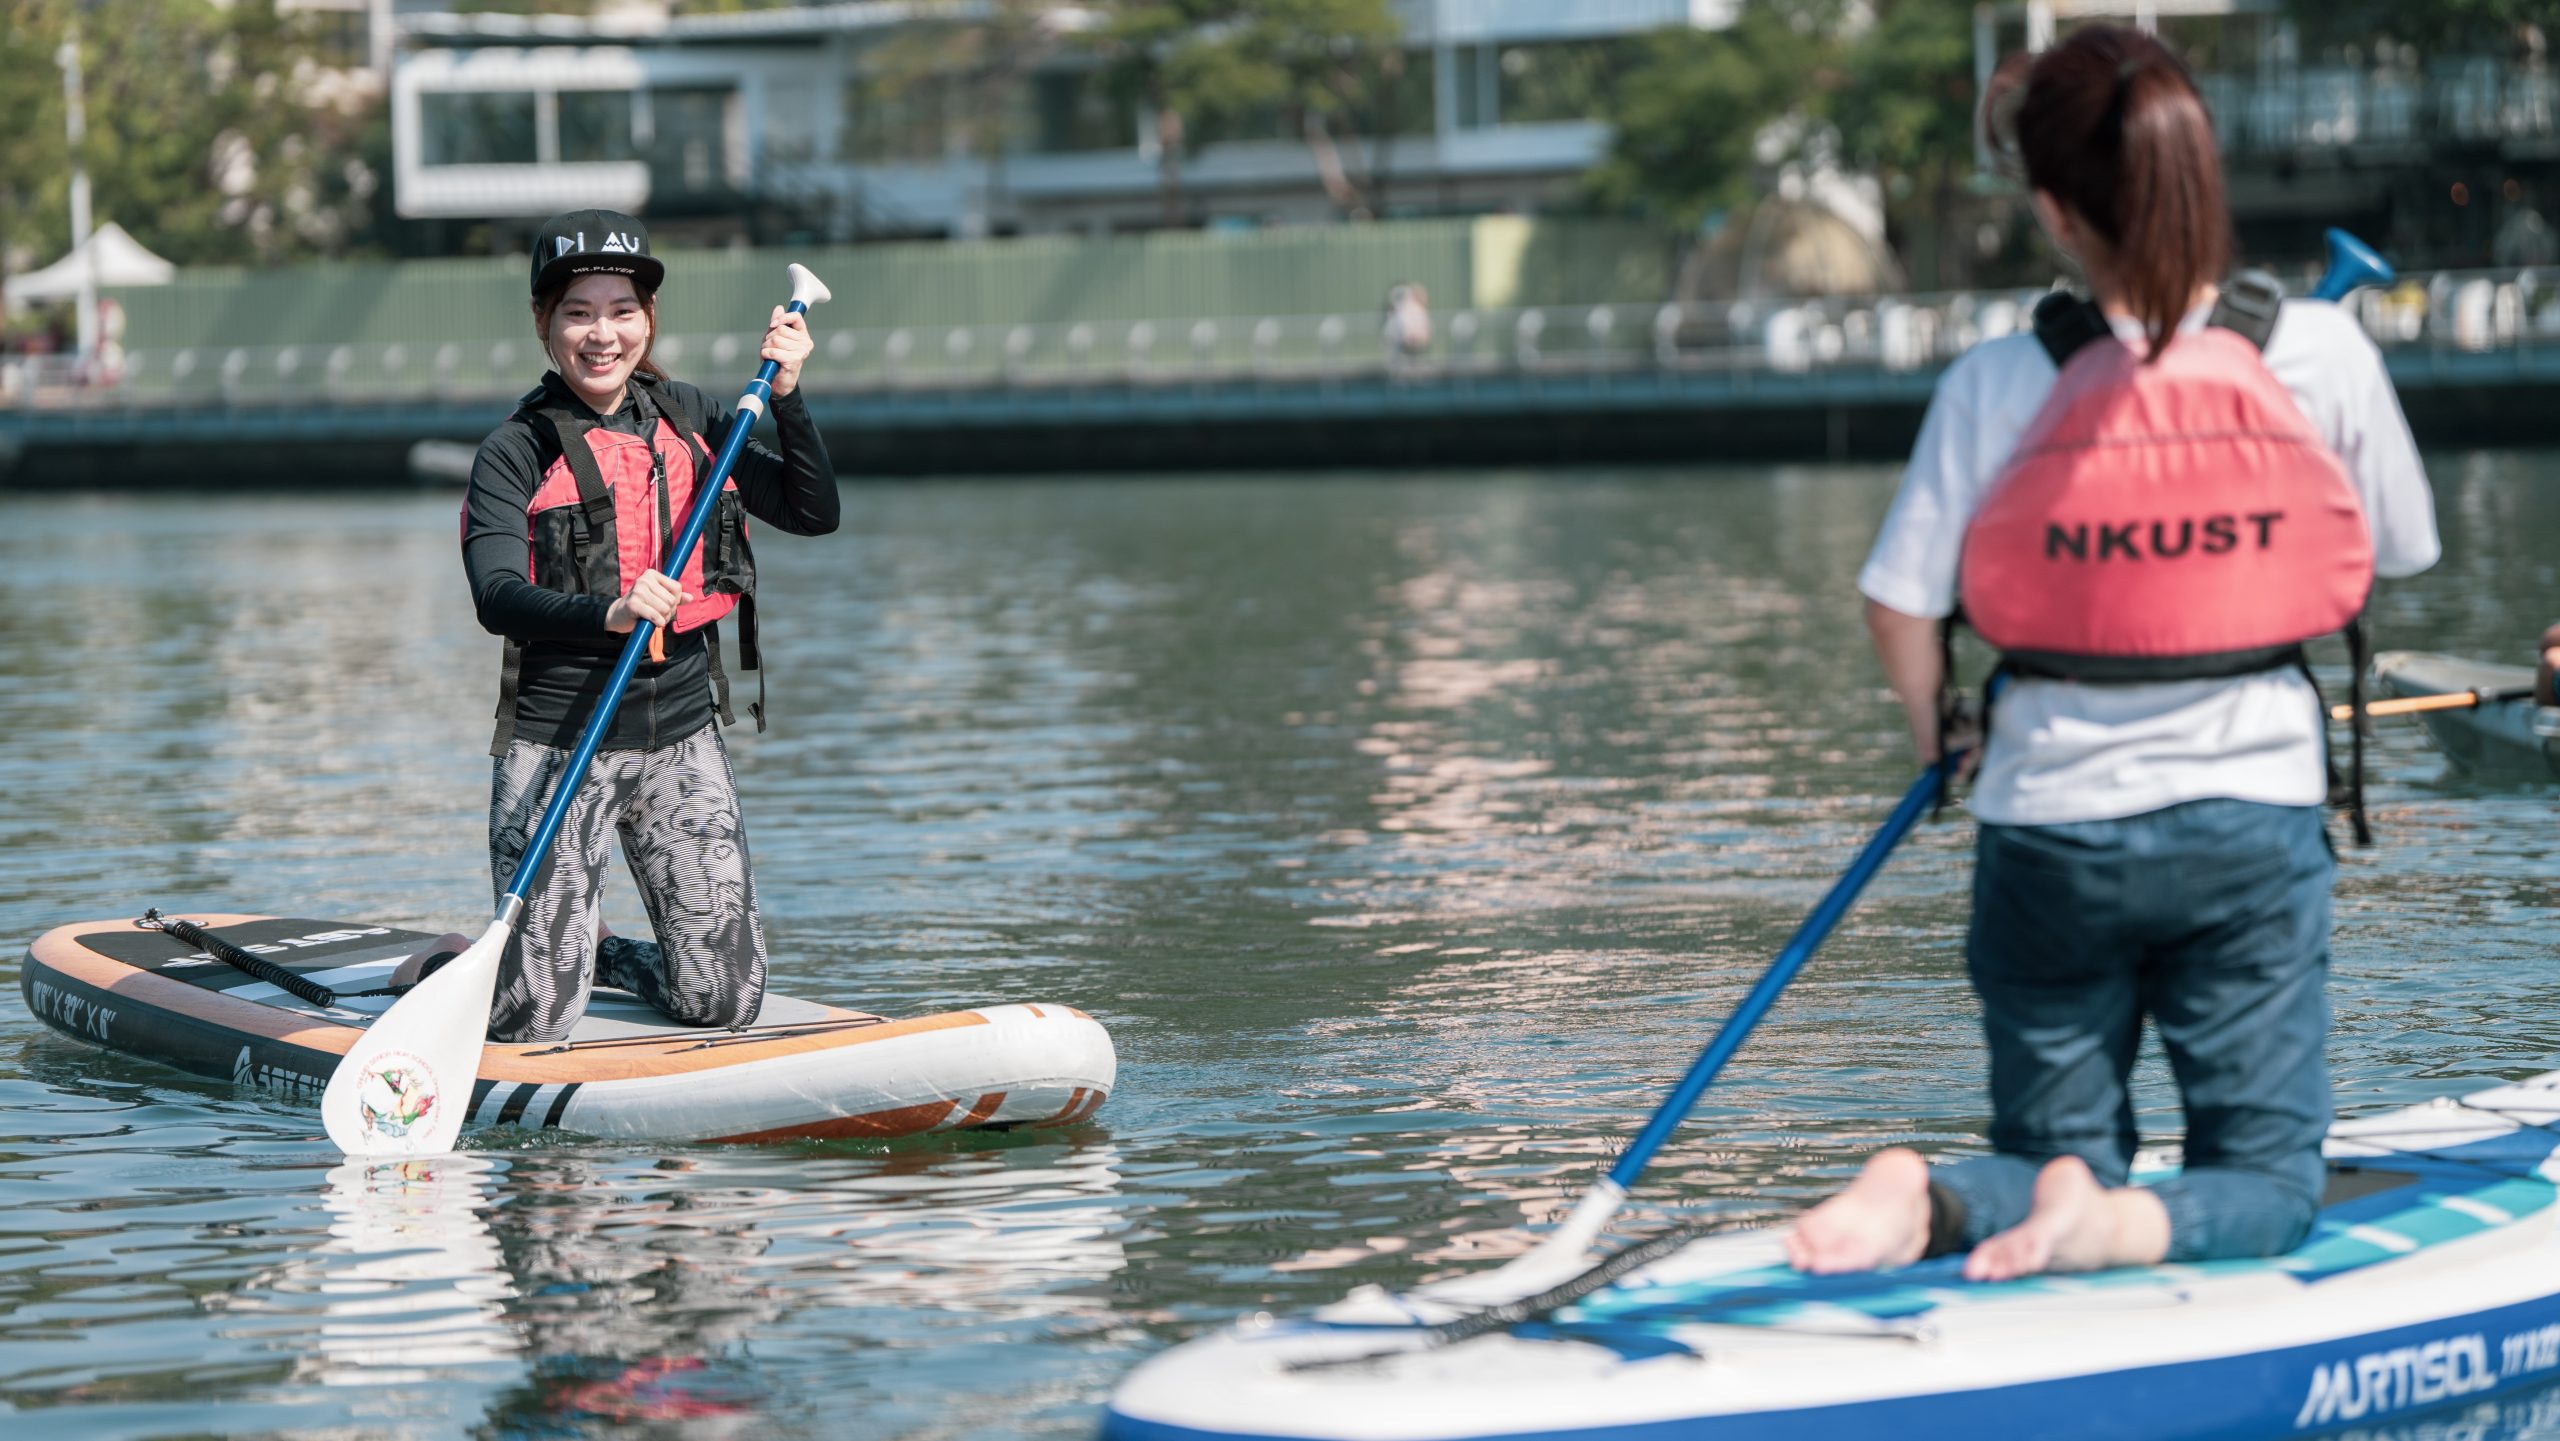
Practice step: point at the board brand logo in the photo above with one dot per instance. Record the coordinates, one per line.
(250, 1071)
(396, 1092)
(288, 944)
(2399, 1379)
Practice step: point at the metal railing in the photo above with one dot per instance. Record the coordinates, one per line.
(2475, 311)
(2465, 101)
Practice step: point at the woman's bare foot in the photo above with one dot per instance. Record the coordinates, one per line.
(1880, 1220)
(2075, 1224)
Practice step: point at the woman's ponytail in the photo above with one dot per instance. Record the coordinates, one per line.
(2109, 123)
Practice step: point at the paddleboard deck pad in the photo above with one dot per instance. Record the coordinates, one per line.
(803, 1071)
(2502, 738)
(2432, 1279)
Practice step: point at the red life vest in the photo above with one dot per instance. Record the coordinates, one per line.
(610, 504)
(2174, 520)
(607, 510)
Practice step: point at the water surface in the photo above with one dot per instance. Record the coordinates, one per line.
(1409, 832)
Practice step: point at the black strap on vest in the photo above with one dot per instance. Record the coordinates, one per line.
(2359, 653)
(2250, 304)
(510, 681)
(2067, 321)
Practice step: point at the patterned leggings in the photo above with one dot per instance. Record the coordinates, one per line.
(677, 810)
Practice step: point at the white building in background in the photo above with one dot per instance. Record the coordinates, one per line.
(780, 122)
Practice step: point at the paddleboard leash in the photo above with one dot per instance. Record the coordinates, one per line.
(300, 988)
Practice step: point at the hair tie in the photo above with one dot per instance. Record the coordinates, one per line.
(2125, 73)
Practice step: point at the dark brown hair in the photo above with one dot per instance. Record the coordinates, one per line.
(547, 300)
(2109, 123)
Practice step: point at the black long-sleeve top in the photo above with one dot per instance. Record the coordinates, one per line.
(568, 653)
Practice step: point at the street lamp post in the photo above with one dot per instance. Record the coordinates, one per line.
(74, 125)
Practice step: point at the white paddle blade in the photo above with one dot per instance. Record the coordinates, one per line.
(404, 1087)
(807, 288)
(1564, 1254)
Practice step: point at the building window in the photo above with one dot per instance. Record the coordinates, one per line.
(790, 131)
(471, 128)
(1073, 111)
(596, 125)
(888, 121)
(1569, 80)
(688, 146)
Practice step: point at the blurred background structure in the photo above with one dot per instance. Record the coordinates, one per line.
(1032, 193)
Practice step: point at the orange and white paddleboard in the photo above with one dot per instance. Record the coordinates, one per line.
(803, 1071)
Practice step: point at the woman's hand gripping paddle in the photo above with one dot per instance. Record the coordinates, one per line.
(403, 1088)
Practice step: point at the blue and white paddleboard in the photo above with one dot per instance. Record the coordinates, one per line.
(2431, 1279)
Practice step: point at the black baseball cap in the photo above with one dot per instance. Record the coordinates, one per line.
(590, 242)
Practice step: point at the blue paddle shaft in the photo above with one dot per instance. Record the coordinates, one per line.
(1800, 948)
(742, 423)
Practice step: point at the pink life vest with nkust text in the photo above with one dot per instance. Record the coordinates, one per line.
(2173, 520)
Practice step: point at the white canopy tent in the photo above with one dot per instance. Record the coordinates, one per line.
(120, 260)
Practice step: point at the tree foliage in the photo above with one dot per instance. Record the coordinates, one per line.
(971, 61)
(203, 138)
(1330, 73)
(1885, 88)
(1137, 41)
(1690, 119)
(1903, 109)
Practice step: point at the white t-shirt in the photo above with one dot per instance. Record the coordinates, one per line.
(2067, 752)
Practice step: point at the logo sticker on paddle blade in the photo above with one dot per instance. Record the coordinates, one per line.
(396, 1092)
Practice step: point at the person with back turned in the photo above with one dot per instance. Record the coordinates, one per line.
(2148, 506)
(574, 500)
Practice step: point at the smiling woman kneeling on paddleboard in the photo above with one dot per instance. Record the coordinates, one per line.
(2147, 506)
(573, 501)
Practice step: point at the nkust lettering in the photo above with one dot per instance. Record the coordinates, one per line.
(2138, 540)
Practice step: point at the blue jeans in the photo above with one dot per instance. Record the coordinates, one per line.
(2210, 917)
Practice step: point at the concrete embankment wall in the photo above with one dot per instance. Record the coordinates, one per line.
(1489, 262)
(1508, 418)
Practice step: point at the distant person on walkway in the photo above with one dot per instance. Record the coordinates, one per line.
(2152, 840)
(1408, 322)
(574, 501)
(2546, 691)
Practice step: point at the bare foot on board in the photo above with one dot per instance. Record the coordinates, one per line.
(1880, 1220)
(2075, 1224)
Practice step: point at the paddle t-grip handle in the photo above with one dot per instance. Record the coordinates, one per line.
(807, 289)
(2352, 264)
